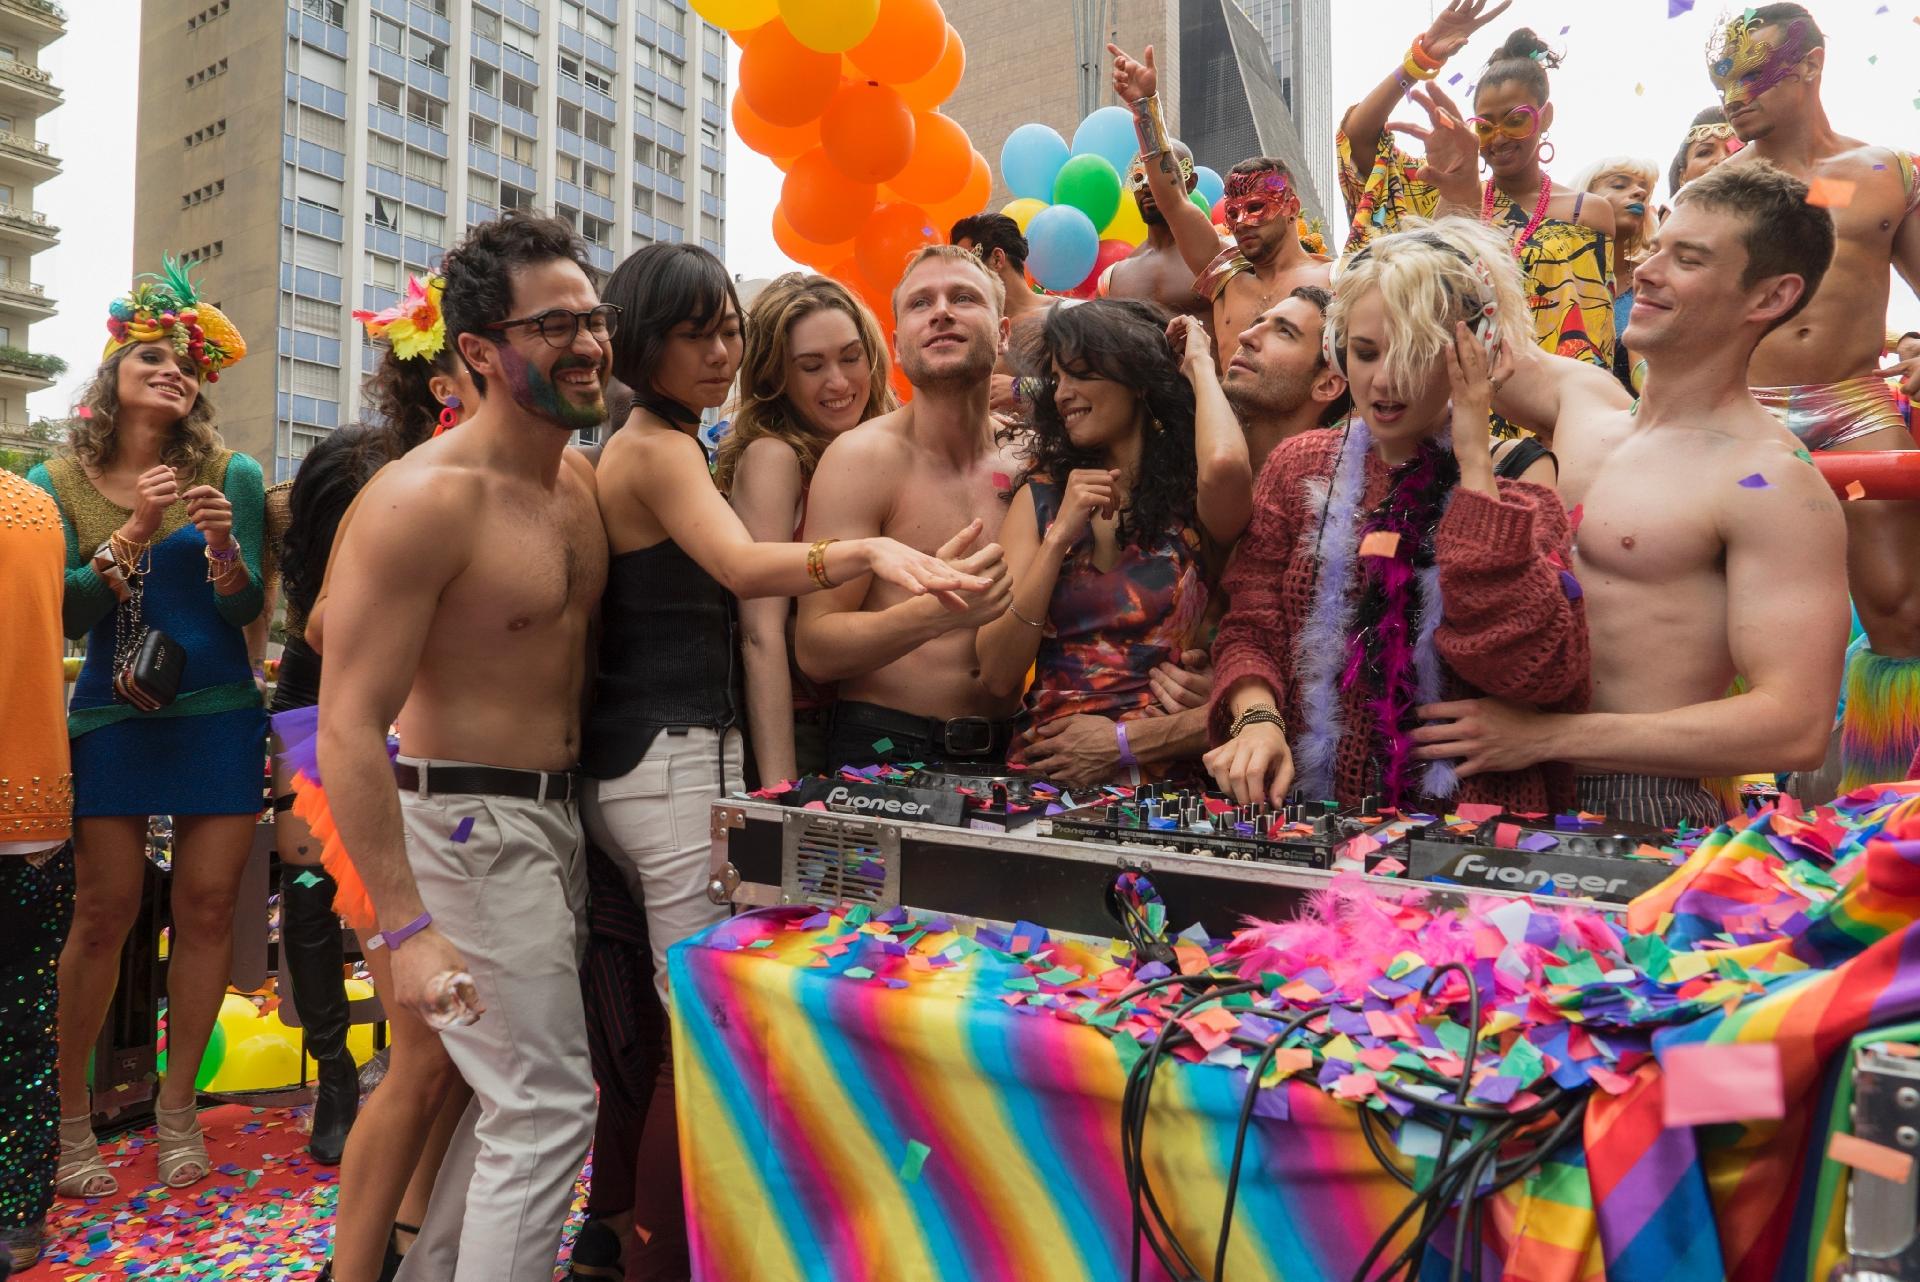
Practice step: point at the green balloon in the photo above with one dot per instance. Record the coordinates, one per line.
(1091, 185)
(1201, 201)
(209, 1062)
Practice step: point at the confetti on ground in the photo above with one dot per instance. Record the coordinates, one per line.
(265, 1213)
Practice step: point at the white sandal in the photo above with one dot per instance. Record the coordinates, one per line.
(183, 1149)
(81, 1173)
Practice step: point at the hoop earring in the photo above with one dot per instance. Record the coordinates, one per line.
(450, 416)
(1547, 151)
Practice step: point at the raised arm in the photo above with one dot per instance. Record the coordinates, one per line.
(668, 473)
(1137, 85)
(1548, 393)
(835, 638)
(410, 539)
(1447, 35)
(766, 494)
(1224, 466)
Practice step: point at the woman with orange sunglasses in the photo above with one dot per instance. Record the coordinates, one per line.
(1561, 236)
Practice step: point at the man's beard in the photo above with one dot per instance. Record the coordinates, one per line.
(922, 373)
(1267, 396)
(542, 397)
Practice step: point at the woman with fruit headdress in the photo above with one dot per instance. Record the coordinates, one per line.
(163, 529)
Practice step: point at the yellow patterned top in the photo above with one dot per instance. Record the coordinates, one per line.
(1568, 267)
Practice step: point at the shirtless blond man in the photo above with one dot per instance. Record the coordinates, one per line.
(1704, 542)
(1818, 375)
(458, 601)
(1265, 261)
(909, 679)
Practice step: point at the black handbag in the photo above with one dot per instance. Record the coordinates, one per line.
(149, 676)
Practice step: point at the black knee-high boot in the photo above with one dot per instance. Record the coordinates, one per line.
(315, 957)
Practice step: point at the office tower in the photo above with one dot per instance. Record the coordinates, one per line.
(26, 94)
(399, 126)
(1299, 36)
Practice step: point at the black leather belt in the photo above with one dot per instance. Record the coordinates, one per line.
(428, 779)
(960, 737)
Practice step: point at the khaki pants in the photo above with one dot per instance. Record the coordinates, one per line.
(654, 822)
(511, 897)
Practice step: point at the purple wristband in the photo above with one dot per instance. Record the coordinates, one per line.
(225, 554)
(1126, 749)
(395, 938)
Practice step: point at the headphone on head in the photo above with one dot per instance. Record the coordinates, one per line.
(1481, 313)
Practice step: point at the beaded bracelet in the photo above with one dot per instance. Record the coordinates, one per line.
(1258, 714)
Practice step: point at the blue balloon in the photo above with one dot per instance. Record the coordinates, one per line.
(1062, 246)
(1212, 186)
(1031, 160)
(1108, 132)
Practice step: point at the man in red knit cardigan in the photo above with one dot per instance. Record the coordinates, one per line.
(1706, 544)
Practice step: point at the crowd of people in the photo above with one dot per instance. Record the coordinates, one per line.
(1511, 503)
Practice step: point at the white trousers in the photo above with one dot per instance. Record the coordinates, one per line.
(654, 822)
(511, 896)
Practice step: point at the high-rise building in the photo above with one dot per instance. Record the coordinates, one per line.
(401, 125)
(1299, 35)
(1048, 63)
(26, 94)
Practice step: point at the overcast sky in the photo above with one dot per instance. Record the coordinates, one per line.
(1632, 80)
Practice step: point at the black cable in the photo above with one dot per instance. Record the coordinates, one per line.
(1240, 1133)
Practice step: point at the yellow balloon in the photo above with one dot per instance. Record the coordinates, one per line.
(1023, 210)
(736, 15)
(1127, 224)
(265, 1061)
(830, 26)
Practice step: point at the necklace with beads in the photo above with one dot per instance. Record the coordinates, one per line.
(1533, 223)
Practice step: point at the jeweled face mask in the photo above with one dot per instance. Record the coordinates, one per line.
(1254, 200)
(1745, 59)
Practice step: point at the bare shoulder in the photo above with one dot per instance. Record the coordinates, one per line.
(1768, 489)
(768, 461)
(877, 443)
(577, 470)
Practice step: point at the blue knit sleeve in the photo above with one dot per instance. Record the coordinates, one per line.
(245, 488)
(88, 597)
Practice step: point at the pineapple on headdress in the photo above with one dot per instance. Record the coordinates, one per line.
(167, 308)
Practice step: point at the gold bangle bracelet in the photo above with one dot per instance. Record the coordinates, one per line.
(817, 563)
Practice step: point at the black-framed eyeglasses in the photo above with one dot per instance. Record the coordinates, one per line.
(558, 326)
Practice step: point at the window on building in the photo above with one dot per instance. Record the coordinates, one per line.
(319, 191)
(384, 272)
(713, 41)
(485, 25)
(713, 183)
(594, 78)
(599, 182)
(567, 168)
(523, 150)
(318, 126)
(388, 94)
(643, 151)
(426, 51)
(597, 230)
(671, 163)
(710, 135)
(331, 12)
(672, 68)
(567, 215)
(512, 197)
(516, 92)
(316, 252)
(424, 106)
(599, 132)
(423, 224)
(383, 212)
(673, 19)
(570, 66)
(485, 77)
(427, 168)
(669, 210)
(316, 316)
(519, 39)
(484, 132)
(388, 34)
(384, 152)
(710, 227)
(642, 54)
(599, 28)
(643, 198)
(713, 91)
(484, 188)
(310, 379)
(570, 117)
(643, 102)
(672, 115)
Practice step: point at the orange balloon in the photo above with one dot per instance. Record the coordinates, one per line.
(972, 197)
(890, 237)
(934, 88)
(823, 204)
(868, 131)
(777, 142)
(938, 169)
(743, 35)
(785, 82)
(905, 44)
(806, 252)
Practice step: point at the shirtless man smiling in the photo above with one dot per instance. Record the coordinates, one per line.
(1707, 547)
(1818, 374)
(458, 602)
(910, 685)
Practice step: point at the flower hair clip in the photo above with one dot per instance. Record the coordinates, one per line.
(415, 327)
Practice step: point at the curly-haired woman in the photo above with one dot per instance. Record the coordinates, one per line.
(1108, 533)
(163, 532)
(813, 364)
